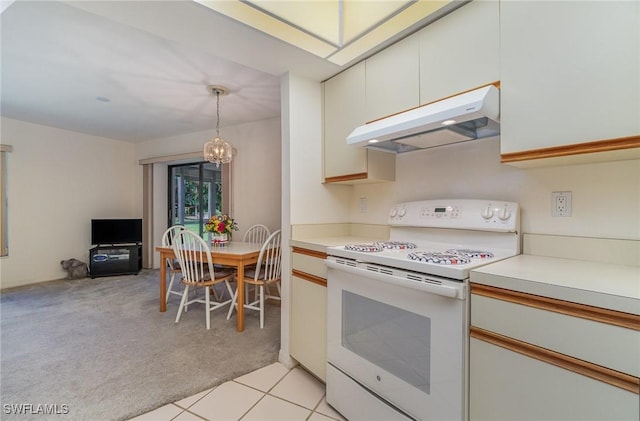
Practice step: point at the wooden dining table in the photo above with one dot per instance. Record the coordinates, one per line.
(236, 254)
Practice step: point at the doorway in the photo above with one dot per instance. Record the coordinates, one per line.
(196, 192)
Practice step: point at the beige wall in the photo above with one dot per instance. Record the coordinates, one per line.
(605, 196)
(305, 199)
(57, 182)
(311, 201)
(255, 179)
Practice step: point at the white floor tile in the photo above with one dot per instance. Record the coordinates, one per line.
(229, 401)
(164, 413)
(325, 409)
(273, 409)
(265, 378)
(301, 388)
(187, 402)
(319, 417)
(186, 416)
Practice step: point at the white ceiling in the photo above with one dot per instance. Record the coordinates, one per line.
(139, 70)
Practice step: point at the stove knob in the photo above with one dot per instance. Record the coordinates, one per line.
(393, 212)
(505, 214)
(402, 212)
(487, 213)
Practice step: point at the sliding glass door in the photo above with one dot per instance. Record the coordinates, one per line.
(195, 193)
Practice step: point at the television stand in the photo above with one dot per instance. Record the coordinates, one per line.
(115, 259)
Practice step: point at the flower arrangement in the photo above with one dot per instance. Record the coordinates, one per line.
(221, 224)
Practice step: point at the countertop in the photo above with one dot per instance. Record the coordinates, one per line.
(605, 285)
(321, 243)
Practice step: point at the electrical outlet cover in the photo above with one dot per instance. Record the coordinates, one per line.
(561, 203)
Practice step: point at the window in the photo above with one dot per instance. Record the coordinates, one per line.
(196, 191)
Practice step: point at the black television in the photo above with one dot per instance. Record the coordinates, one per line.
(116, 231)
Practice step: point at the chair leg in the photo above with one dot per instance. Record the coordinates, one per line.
(182, 302)
(207, 307)
(173, 277)
(234, 300)
(229, 290)
(215, 293)
(261, 306)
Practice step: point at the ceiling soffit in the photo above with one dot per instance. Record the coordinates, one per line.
(339, 31)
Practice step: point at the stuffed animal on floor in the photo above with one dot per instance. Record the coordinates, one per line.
(75, 268)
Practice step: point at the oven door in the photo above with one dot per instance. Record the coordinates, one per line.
(402, 341)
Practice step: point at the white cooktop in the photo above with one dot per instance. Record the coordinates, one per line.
(436, 227)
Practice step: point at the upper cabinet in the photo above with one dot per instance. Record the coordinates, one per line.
(344, 110)
(460, 51)
(570, 81)
(393, 80)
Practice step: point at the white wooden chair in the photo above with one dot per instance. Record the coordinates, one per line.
(267, 272)
(257, 233)
(172, 264)
(194, 256)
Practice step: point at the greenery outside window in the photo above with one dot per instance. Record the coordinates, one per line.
(196, 191)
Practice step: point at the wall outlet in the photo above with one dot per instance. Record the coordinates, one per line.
(363, 205)
(561, 203)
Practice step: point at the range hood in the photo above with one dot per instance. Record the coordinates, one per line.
(468, 116)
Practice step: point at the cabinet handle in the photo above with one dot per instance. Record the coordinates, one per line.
(309, 277)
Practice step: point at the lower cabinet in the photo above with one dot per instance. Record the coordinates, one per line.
(308, 329)
(508, 385)
(539, 358)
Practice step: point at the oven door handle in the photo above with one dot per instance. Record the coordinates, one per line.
(444, 290)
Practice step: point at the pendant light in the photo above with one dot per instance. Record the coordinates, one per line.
(217, 150)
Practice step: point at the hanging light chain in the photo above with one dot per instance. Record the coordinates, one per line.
(218, 150)
(218, 113)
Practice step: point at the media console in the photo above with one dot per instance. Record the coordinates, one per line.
(115, 259)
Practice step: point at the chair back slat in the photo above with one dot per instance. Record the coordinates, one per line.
(167, 241)
(194, 256)
(257, 233)
(268, 267)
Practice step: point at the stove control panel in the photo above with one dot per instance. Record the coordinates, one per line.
(492, 215)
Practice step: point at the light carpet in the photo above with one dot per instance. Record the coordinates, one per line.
(99, 349)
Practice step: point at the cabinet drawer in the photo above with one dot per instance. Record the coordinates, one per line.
(309, 261)
(600, 343)
(506, 385)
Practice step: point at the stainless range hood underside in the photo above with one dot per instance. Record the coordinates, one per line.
(468, 116)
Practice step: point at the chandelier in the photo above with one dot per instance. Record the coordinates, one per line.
(217, 150)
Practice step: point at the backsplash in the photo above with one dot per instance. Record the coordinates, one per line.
(605, 196)
(622, 252)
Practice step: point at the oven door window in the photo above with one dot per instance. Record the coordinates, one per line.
(389, 337)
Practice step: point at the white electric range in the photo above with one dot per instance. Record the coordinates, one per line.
(398, 310)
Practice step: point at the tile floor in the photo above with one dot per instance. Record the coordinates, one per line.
(272, 393)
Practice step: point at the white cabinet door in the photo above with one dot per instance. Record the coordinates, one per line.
(505, 385)
(393, 79)
(344, 110)
(308, 334)
(460, 51)
(570, 72)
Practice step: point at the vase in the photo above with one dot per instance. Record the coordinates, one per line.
(219, 239)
